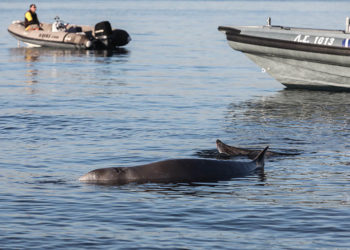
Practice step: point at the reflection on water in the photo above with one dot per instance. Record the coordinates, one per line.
(316, 125)
(296, 105)
(32, 75)
(59, 66)
(34, 53)
(194, 189)
(31, 56)
(289, 114)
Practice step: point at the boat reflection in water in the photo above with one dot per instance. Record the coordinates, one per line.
(33, 53)
(297, 57)
(295, 105)
(298, 119)
(41, 64)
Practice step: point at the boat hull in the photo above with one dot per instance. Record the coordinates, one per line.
(298, 64)
(33, 41)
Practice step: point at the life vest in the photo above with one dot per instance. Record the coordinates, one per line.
(30, 18)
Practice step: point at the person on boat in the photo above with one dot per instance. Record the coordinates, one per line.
(31, 21)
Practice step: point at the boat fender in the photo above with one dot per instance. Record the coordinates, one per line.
(88, 44)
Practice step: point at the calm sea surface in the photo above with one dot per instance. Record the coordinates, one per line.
(174, 90)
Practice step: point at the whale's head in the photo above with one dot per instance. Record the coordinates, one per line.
(104, 175)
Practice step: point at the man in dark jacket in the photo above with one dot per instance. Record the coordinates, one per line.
(31, 21)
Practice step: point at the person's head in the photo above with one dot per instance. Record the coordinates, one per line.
(32, 7)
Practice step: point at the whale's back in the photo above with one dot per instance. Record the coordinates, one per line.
(175, 170)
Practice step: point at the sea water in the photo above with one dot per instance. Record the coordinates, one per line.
(174, 90)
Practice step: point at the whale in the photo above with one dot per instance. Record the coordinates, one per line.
(227, 150)
(176, 171)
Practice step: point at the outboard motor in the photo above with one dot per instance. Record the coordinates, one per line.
(120, 37)
(103, 33)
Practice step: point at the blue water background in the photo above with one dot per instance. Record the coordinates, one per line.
(175, 89)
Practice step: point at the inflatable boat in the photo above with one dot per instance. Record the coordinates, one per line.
(61, 35)
(296, 57)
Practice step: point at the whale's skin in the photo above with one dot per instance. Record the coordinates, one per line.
(176, 171)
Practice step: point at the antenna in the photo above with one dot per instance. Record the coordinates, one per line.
(268, 21)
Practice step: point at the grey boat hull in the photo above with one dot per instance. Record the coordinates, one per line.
(297, 58)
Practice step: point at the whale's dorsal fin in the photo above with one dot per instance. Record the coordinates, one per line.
(260, 158)
(230, 150)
